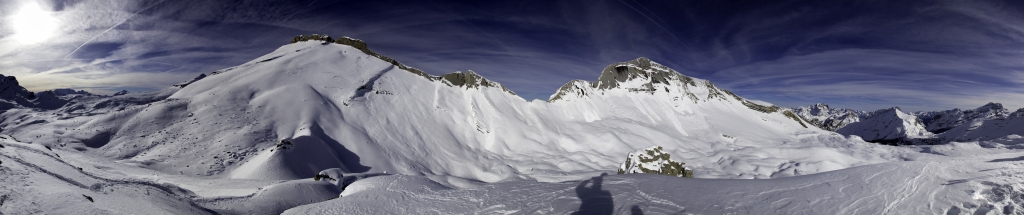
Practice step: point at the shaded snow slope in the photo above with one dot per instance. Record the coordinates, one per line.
(988, 128)
(890, 125)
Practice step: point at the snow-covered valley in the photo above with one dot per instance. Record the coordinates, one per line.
(251, 138)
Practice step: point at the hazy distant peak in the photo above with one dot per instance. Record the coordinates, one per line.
(67, 91)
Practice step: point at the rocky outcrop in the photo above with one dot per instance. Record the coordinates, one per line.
(470, 79)
(642, 68)
(638, 75)
(197, 78)
(822, 116)
(13, 94)
(653, 160)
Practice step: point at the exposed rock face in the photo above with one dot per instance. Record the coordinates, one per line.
(642, 74)
(643, 68)
(470, 79)
(889, 126)
(827, 118)
(13, 94)
(576, 88)
(941, 121)
(835, 123)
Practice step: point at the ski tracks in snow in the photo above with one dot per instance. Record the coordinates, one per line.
(908, 190)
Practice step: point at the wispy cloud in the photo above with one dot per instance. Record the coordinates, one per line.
(867, 55)
(872, 79)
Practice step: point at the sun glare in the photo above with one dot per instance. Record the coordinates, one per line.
(32, 24)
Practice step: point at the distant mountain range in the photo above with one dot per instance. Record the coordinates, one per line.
(893, 126)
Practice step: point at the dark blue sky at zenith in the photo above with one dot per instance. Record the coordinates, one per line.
(919, 55)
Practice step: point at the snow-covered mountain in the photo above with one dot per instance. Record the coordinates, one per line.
(363, 112)
(988, 127)
(250, 139)
(940, 121)
(891, 126)
(13, 96)
(825, 117)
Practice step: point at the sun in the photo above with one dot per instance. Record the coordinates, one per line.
(32, 24)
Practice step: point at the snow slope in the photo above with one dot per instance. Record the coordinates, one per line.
(974, 183)
(941, 121)
(365, 114)
(988, 128)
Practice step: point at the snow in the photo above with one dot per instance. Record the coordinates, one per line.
(249, 139)
(930, 186)
(887, 125)
(940, 121)
(653, 160)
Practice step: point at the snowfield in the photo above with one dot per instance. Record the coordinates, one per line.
(249, 140)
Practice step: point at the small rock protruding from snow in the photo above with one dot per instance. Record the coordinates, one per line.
(332, 174)
(653, 160)
(284, 144)
(197, 78)
(122, 92)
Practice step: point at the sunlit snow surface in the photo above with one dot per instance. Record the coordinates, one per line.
(212, 147)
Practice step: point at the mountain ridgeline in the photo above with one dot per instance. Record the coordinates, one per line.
(360, 111)
(340, 105)
(896, 127)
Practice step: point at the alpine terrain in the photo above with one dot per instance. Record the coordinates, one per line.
(328, 126)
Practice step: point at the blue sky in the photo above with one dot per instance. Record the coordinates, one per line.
(919, 55)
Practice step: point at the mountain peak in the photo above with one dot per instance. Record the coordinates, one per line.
(470, 79)
(890, 126)
(990, 106)
(638, 75)
(640, 68)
